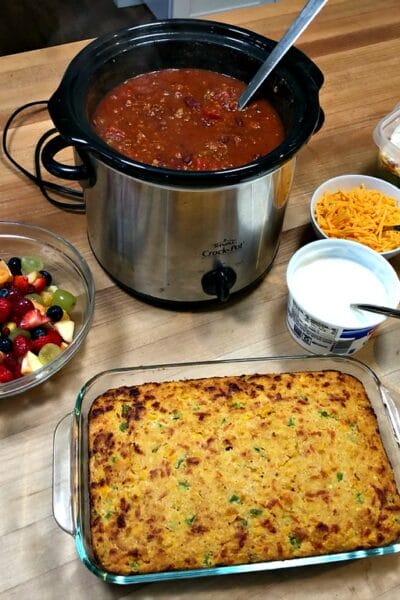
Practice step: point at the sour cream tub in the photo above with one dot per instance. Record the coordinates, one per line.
(324, 278)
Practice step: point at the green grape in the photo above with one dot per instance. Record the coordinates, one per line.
(36, 297)
(64, 299)
(49, 352)
(17, 331)
(31, 263)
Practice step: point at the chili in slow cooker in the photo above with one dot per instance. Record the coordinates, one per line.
(186, 119)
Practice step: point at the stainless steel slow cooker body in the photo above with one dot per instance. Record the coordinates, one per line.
(185, 244)
(182, 236)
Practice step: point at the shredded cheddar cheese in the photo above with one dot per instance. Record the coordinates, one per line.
(360, 215)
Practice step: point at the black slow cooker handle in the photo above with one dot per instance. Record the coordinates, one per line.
(310, 70)
(320, 122)
(50, 149)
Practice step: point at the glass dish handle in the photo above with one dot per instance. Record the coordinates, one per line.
(392, 408)
(62, 474)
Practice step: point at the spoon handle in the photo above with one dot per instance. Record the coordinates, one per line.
(380, 310)
(310, 10)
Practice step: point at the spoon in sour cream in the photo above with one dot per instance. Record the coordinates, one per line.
(391, 228)
(380, 310)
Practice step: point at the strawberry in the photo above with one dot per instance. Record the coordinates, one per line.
(21, 283)
(17, 371)
(21, 345)
(39, 284)
(51, 337)
(5, 374)
(23, 316)
(10, 362)
(13, 293)
(33, 318)
(21, 306)
(5, 309)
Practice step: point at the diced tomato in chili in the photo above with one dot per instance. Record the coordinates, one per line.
(212, 110)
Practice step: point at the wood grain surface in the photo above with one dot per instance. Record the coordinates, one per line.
(356, 43)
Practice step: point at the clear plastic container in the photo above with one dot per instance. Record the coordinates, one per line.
(70, 469)
(387, 137)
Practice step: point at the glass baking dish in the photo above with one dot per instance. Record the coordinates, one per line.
(70, 467)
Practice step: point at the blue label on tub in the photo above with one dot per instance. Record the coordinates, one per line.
(356, 334)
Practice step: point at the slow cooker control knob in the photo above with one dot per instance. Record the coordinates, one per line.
(219, 282)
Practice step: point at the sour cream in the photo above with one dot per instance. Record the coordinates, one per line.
(326, 287)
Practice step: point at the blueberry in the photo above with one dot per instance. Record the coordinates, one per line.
(14, 264)
(37, 332)
(55, 313)
(47, 276)
(6, 344)
(3, 292)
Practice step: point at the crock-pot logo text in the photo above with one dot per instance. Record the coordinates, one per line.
(226, 246)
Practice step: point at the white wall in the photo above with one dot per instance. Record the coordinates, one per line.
(164, 9)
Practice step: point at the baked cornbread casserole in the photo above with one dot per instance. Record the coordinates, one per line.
(237, 469)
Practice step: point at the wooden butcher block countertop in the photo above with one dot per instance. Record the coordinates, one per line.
(356, 44)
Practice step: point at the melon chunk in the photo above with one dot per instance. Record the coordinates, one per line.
(65, 329)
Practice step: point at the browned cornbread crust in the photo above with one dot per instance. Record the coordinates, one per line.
(197, 473)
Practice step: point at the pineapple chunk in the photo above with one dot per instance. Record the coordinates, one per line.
(5, 273)
(40, 307)
(47, 297)
(32, 276)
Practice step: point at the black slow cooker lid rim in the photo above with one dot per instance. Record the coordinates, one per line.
(65, 106)
(182, 27)
(298, 61)
(84, 138)
(66, 103)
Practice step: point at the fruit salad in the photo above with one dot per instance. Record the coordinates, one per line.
(35, 321)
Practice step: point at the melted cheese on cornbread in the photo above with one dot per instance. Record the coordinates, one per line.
(237, 469)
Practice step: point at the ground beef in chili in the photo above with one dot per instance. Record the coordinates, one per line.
(186, 119)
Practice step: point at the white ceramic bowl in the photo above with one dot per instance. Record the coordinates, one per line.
(348, 182)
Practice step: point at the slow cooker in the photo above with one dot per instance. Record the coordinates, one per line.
(182, 236)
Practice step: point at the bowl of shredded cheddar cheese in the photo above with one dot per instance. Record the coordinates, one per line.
(358, 208)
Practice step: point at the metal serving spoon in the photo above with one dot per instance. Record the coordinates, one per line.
(391, 227)
(380, 310)
(302, 21)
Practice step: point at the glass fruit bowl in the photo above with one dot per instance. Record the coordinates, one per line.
(69, 271)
